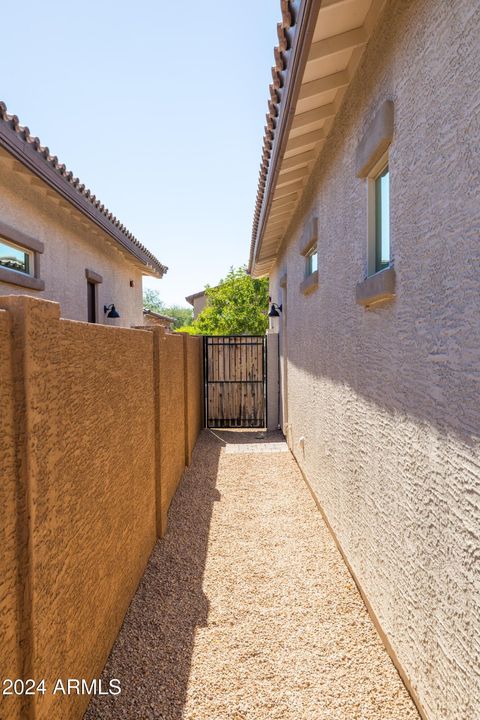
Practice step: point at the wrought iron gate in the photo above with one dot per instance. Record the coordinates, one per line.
(235, 369)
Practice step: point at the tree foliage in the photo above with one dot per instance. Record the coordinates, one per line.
(237, 306)
(182, 315)
(152, 301)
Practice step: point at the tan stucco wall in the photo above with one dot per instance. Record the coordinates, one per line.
(386, 399)
(199, 304)
(71, 246)
(12, 544)
(90, 489)
(172, 417)
(93, 443)
(194, 385)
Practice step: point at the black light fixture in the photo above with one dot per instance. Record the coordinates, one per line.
(110, 311)
(275, 310)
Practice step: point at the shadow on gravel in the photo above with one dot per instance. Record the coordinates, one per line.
(249, 437)
(152, 654)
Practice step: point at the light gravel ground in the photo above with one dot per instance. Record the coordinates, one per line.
(246, 610)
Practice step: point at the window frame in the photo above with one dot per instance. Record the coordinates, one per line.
(373, 243)
(31, 247)
(30, 254)
(308, 248)
(309, 269)
(93, 281)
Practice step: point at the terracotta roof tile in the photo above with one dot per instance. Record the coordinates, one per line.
(10, 124)
(273, 105)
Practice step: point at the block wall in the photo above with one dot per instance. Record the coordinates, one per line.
(90, 443)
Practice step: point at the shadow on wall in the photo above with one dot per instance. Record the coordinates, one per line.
(153, 652)
(431, 380)
(418, 356)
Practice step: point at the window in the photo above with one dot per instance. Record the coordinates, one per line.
(20, 258)
(379, 285)
(382, 220)
(309, 250)
(16, 258)
(372, 163)
(379, 257)
(311, 262)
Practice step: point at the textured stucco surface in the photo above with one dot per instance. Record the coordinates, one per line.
(10, 542)
(71, 246)
(199, 304)
(172, 418)
(89, 443)
(387, 398)
(194, 387)
(273, 418)
(93, 432)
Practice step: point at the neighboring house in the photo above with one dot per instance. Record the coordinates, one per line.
(367, 222)
(199, 302)
(153, 318)
(57, 240)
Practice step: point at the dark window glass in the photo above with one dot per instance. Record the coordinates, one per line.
(92, 302)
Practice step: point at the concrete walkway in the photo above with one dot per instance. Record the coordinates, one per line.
(246, 610)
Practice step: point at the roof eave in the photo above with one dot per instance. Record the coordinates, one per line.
(26, 150)
(296, 60)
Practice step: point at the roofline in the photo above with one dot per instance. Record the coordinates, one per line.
(191, 298)
(288, 71)
(27, 150)
(147, 311)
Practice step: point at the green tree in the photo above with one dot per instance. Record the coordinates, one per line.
(181, 315)
(237, 306)
(152, 301)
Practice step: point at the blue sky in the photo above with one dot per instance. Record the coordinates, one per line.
(160, 113)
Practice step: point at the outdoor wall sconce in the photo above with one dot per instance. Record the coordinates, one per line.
(275, 310)
(110, 311)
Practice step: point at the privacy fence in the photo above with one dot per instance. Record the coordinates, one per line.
(96, 426)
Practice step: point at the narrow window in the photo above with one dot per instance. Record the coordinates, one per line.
(311, 264)
(92, 301)
(382, 220)
(16, 258)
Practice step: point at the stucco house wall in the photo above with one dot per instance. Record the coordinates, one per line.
(199, 304)
(71, 247)
(386, 398)
(198, 301)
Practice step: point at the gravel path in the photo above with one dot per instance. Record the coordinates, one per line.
(246, 610)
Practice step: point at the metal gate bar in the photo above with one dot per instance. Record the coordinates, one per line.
(235, 376)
